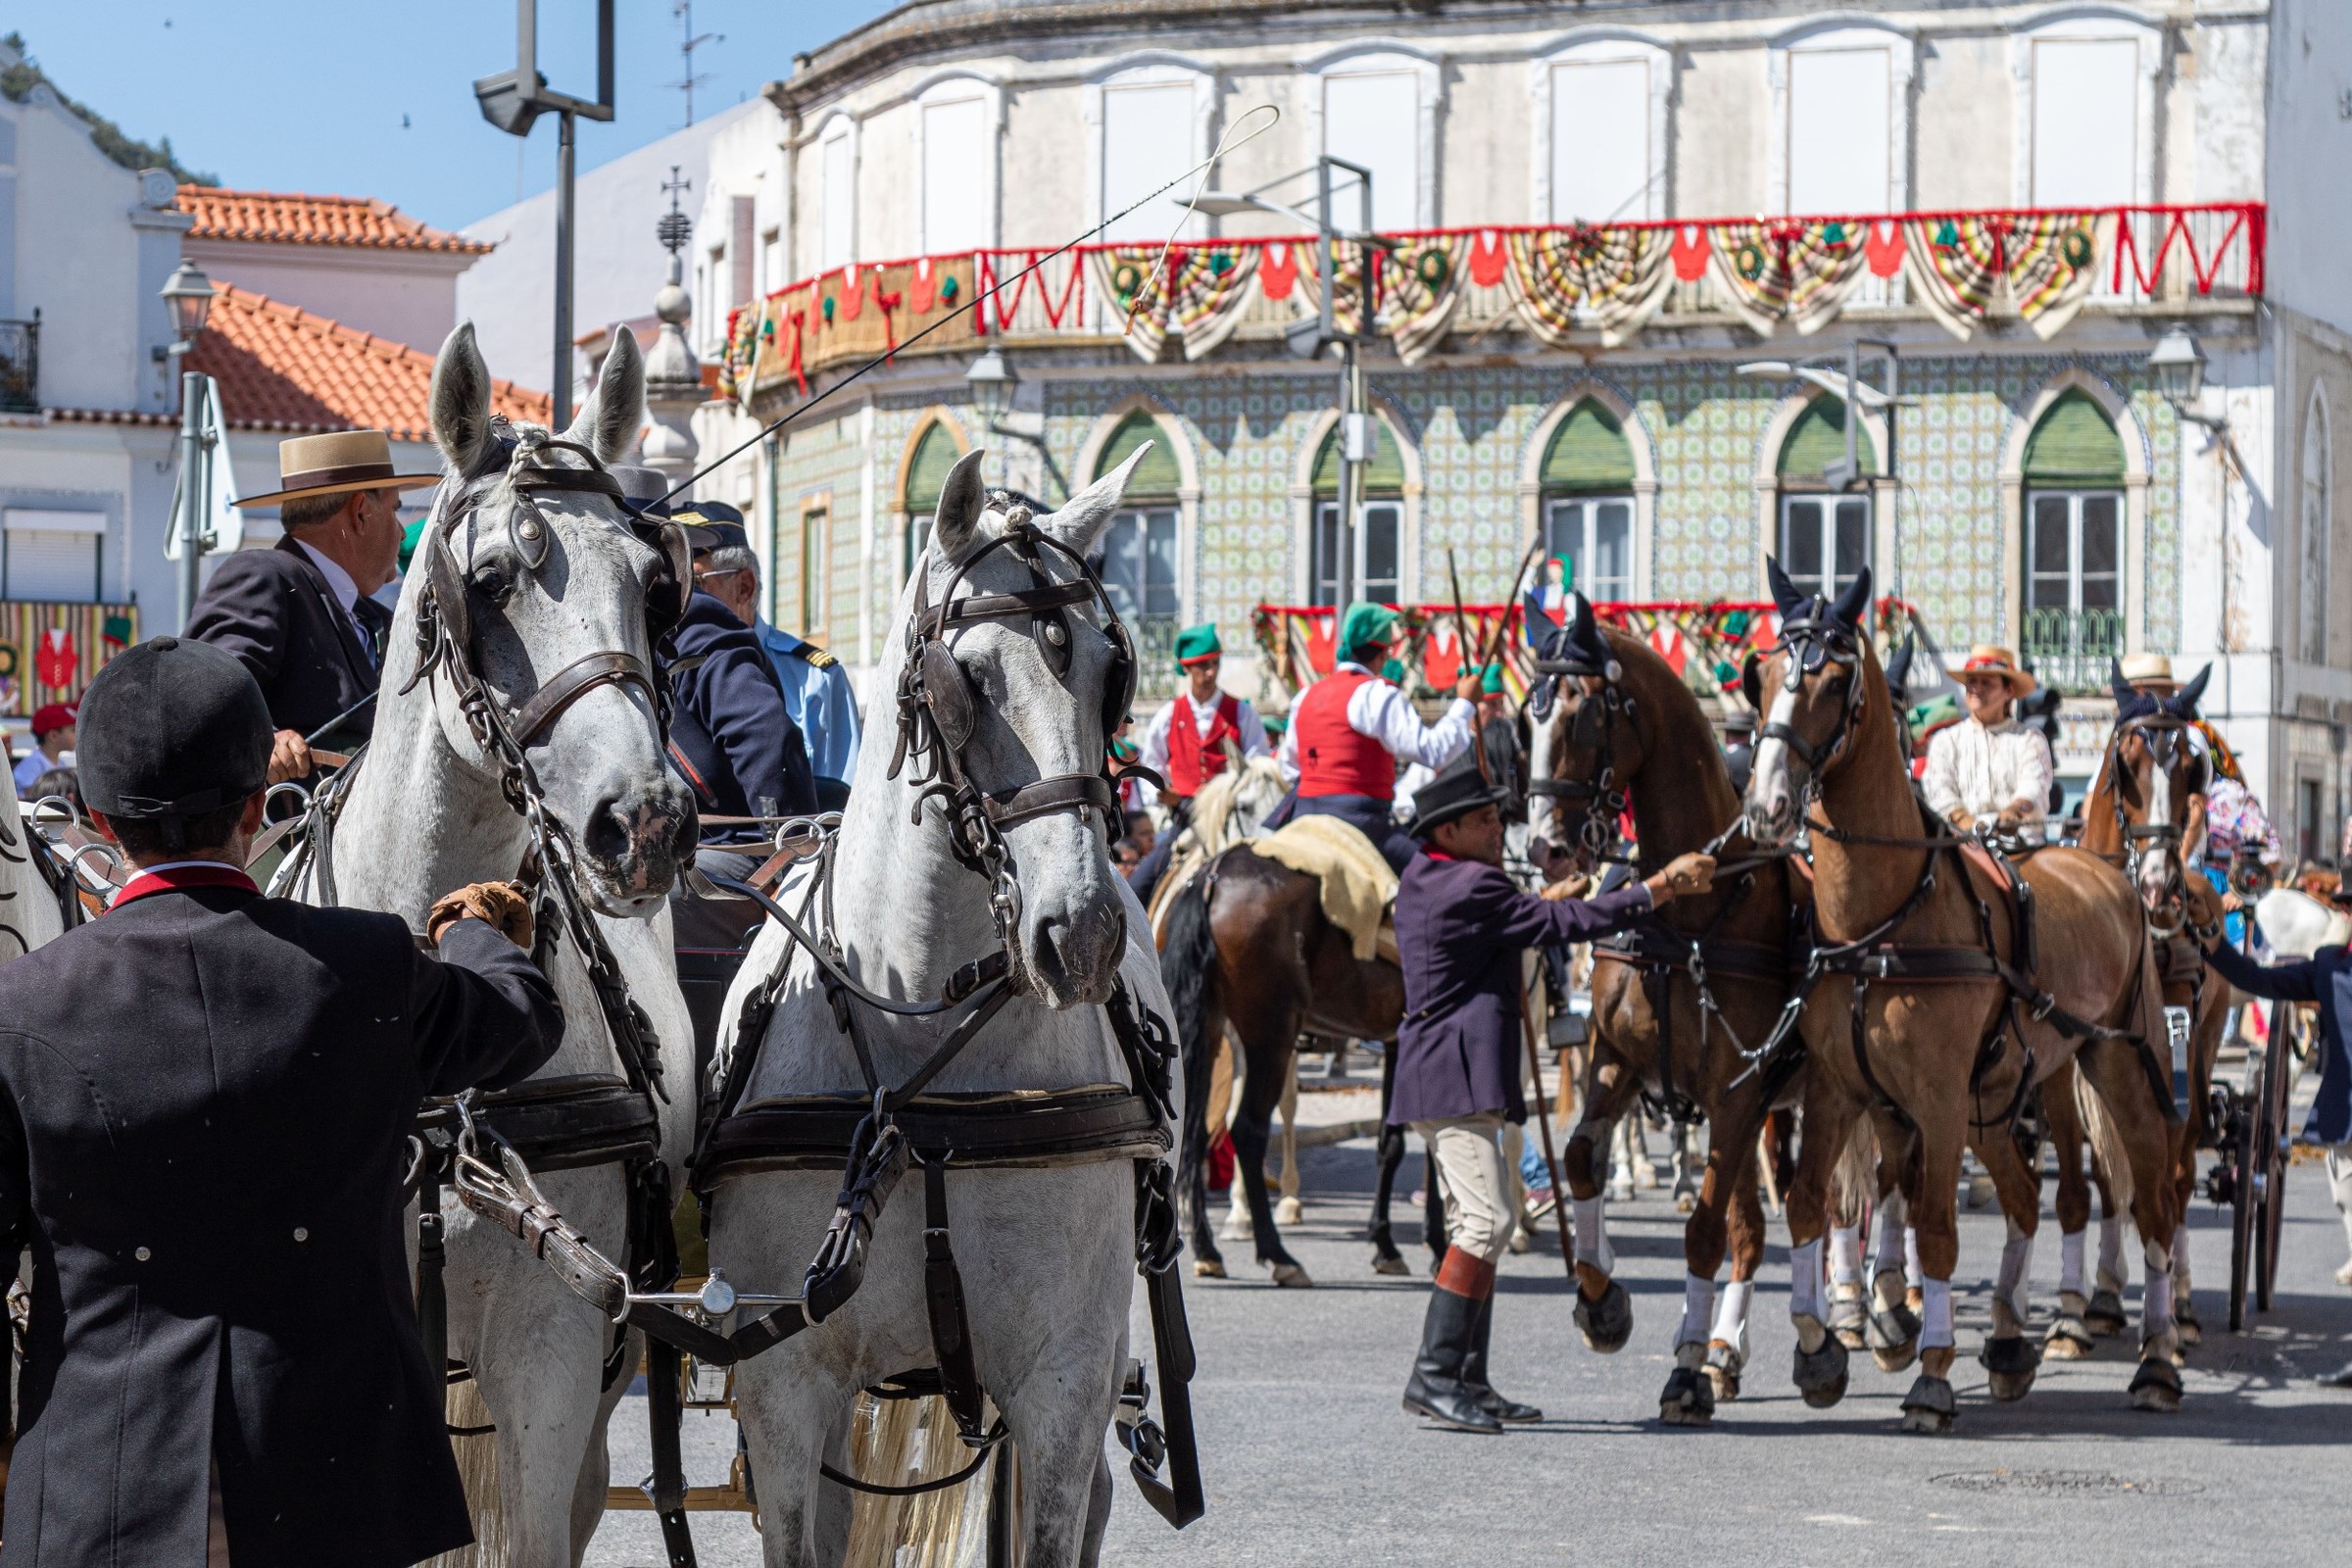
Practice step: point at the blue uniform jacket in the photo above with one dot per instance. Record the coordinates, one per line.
(731, 736)
(1461, 926)
(818, 695)
(2326, 977)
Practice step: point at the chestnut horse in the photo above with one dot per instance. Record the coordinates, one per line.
(1610, 720)
(1926, 998)
(2137, 815)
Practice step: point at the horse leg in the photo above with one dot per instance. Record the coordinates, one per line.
(2106, 1313)
(1604, 1314)
(1291, 1213)
(1207, 1261)
(1830, 1115)
(2069, 1338)
(2138, 1124)
(1708, 1364)
(1891, 1330)
(2010, 1359)
(1385, 1259)
(1855, 1183)
(1266, 1052)
(1238, 1226)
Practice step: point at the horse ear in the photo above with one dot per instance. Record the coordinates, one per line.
(961, 503)
(2184, 701)
(2117, 686)
(1898, 667)
(608, 421)
(461, 403)
(1854, 602)
(1082, 519)
(1783, 592)
(1751, 680)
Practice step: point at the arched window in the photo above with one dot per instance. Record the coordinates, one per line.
(1588, 481)
(2074, 475)
(926, 475)
(1139, 560)
(1824, 529)
(1379, 559)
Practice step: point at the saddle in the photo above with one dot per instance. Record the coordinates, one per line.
(1357, 886)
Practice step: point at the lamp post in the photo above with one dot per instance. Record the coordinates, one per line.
(189, 294)
(991, 380)
(512, 100)
(2177, 363)
(1856, 394)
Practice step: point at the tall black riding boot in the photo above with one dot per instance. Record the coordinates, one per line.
(1437, 1389)
(1474, 1372)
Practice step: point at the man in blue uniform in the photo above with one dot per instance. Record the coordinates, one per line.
(206, 1098)
(816, 688)
(1461, 926)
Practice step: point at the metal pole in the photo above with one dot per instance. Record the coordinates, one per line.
(1352, 476)
(563, 378)
(192, 487)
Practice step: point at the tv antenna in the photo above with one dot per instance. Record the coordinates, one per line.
(689, 42)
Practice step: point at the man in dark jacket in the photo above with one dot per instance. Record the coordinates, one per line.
(298, 617)
(1461, 926)
(205, 1103)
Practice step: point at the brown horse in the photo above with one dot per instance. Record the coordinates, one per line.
(1674, 1003)
(1930, 998)
(2138, 816)
(1248, 945)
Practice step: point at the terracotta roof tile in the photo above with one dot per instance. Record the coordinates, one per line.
(284, 368)
(286, 219)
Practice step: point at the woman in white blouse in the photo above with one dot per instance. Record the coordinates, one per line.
(1989, 768)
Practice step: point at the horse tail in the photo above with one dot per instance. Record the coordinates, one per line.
(474, 1441)
(2107, 1152)
(1188, 959)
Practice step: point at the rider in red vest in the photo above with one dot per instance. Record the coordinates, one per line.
(1191, 741)
(1350, 730)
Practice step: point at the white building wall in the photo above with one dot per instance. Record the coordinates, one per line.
(408, 296)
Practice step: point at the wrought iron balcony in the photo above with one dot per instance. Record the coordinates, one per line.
(2070, 649)
(20, 366)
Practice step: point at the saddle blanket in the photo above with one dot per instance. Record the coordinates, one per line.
(1358, 885)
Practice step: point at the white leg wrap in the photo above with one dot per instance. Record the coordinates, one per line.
(1914, 1277)
(1699, 1301)
(2111, 1251)
(1936, 1316)
(2180, 1262)
(1730, 1316)
(1592, 1237)
(1846, 1254)
(1892, 1229)
(1804, 1279)
(2017, 1272)
(2069, 1263)
(2156, 1301)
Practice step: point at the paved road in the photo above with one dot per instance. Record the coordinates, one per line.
(1310, 1462)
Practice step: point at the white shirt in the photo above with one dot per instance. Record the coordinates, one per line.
(1154, 743)
(1385, 713)
(1982, 770)
(338, 581)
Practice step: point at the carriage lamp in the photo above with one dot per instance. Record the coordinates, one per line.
(992, 380)
(189, 294)
(2179, 364)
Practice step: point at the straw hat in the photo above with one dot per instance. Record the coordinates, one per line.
(1990, 659)
(2152, 671)
(333, 465)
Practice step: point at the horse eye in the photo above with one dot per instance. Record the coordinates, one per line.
(493, 582)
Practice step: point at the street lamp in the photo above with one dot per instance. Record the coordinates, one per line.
(188, 295)
(2179, 364)
(1848, 387)
(991, 379)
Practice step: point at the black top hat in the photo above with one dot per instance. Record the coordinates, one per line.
(1458, 789)
(643, 488)
(173, 728)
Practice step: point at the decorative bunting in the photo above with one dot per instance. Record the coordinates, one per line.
(1794, 271)
(49, 651)
(1197, 295)
(1421, 287)
(1490, 257)
(1612, 278)
(1958, 264)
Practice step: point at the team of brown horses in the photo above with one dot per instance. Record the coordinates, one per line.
(1909, 993)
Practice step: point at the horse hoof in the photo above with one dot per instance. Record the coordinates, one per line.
(1689, 1399)
(2105, 1315)
(1208, 1268)
(2185, 1324)
(1892, 1334)
(1848, 1318)
(1930, 1407)
(1820, 1374)
(2009, 1365)
(1237, 1228)
(1290, 1275)
(1686, 1202)
(1290, 1212)
(1390, 1263)
(2069, 1340)
(2156, 1386)
(1606, 1324)
(1724, 1365)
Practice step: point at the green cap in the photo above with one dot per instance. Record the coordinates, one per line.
(1365, 623)
(1490, 681)
(1194, 643)
(408, 541)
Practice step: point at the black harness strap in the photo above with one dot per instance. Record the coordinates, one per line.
(951, 1330)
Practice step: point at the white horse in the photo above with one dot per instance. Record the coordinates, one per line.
(28, 911)
(1047, 1255)
(424, 814)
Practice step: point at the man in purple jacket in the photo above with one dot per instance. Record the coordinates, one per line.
(1461, 926)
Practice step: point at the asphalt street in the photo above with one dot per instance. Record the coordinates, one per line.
(1310, 1460)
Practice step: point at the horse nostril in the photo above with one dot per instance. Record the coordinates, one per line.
(605, 835)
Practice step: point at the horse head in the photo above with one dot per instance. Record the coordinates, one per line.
(2157, 770)
(537, 588)
(1037, 690)
(1582, 743)
(1811, 694)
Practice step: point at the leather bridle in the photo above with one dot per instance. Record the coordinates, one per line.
(1592, 728)
(2166, 737)
(1810, 640)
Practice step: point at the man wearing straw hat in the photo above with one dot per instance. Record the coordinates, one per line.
(298, 617)
(1989, 769)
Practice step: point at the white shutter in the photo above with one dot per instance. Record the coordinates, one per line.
(1838, 130)
(955, 146)
(1374, 119)
(1600, 142)
(2086, 114)
(53, 564)
(836, 244)
(1146, 141)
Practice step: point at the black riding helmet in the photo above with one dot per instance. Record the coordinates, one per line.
(172, 729)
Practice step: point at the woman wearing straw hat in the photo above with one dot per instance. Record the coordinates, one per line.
(298, 617)
(1988, 768)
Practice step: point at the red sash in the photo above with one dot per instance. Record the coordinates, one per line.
(181, 878)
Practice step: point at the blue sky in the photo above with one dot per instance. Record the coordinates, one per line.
(374, 99)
